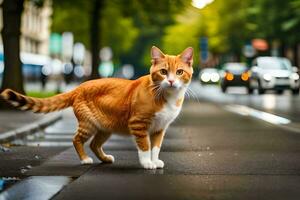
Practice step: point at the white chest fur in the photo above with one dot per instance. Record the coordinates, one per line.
(166, 115)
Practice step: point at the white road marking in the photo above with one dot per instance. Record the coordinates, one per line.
(268, 117)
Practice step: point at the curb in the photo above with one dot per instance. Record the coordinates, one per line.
(27, 129)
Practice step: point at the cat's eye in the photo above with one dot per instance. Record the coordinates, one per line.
(179, 72)
(163, 71)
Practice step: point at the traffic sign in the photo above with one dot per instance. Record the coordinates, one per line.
(249, 51)
(204, 49)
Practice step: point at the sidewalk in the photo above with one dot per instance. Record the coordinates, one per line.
(16, 160)
(18, 123)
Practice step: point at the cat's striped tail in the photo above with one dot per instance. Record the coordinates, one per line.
(38, 105)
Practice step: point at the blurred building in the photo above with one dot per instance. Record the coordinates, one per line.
(35, 27)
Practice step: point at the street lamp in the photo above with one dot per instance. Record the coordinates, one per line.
(201, 3)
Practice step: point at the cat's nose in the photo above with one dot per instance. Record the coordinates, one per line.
(171, 82)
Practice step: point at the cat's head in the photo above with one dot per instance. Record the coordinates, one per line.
(171, 72)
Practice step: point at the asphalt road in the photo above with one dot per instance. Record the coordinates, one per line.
(285, 105)
(209, 153)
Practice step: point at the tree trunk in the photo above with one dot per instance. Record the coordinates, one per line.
(94, 36)
(295, 54)
(12, 75)
(282, 49)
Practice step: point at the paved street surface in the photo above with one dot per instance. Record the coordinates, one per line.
(209, 153)
(284, 105)
(20, 119)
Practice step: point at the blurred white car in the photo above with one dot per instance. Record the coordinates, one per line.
(209, 76)
(274, 73)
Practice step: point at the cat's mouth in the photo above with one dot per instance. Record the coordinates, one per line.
(172, 87)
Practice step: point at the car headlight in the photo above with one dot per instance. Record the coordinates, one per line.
(214, 77)
(267, 77)
(205, 77)
(295, 76)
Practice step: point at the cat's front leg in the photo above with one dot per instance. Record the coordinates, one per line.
(156, 141)
(144, 151)
(139, 129)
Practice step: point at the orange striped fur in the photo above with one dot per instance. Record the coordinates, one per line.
(142, 108)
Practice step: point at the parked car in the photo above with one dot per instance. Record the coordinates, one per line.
(235, 75)
(274, 73)
(209, 76)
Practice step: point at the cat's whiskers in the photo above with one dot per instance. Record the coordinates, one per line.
(187, 94)
(192, 94)
(157, 90)
(158, 93)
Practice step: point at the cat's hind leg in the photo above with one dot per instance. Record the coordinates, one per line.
(81, 136)
(96, 146)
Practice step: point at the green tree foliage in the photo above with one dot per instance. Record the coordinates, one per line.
(130, 27)
(151, 18)
(224, 23)
(234, 23)
(281, 21)
(184, 33)
(72, 16)
(118, 31)
(230, 24)
(192, 24)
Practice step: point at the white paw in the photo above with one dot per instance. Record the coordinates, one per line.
(87, 161)
(148, 164)
(159, 163)
(109, 159)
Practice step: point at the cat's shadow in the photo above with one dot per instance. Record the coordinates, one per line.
(125, 169)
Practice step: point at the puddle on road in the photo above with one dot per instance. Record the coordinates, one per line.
(35, 187)
(52, 136)
(6, 182)
(4, 149)
(44, 139)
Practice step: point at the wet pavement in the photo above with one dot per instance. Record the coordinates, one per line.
(20, 119)
(19, 159)
(209, 153)
(285, 105)
(36, 188)
(59, 134)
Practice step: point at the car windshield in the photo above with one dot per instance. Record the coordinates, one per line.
(274, 63)
(210, 70)
(235, 67)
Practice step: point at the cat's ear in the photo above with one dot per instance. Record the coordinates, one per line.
(156, 54)
(187, 56)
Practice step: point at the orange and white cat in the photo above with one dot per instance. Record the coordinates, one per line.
(143, 108)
